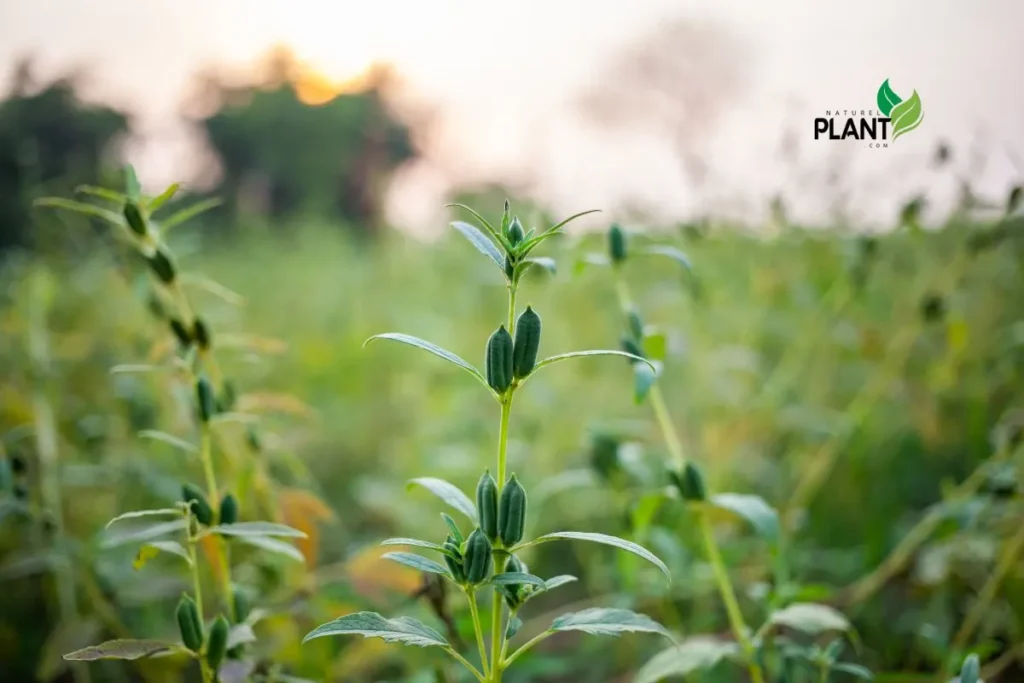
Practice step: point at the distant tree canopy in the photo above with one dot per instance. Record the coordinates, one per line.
(49, 141)
(281, 155)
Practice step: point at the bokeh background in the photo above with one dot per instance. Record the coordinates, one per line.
(847, 343)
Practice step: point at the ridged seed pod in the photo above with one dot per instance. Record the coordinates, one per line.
(512, 513)
(454, 563)
(133, 216)
(487, 505)
(162, 266)
(190, 624)
(205, 399)
(192, 494)
(514, 593)
(201, 333)
(241, 604)
(515, 231)
(527, 343)
(228, 510)
(181, 332)
(217, 645)
(499, 360)
(477, 558)
(616, 244)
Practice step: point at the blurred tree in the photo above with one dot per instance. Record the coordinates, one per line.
(49, 139)
(291, 142)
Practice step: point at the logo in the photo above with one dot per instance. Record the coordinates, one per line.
(894, 118)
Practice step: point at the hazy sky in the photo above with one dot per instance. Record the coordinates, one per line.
(506, 77)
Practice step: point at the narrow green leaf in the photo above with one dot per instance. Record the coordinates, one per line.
(125, 368)
(213, 287)
(572, 218)
(545, 262)
(143, 534)
(671, 252)
(161, 512)
(560, 580)
(865, 673)
(187, 213)
(483, 221)
(581, 354)
(607, 621)
(449, 493)
(162, 198)
(603, 539)
(80, 207)
(810, 618)
(256, 529)
(102, 193)
(416, 543)
(274, 545)
(168, 439)
(534, 242)
(517, 578)
(479, 240)
(403, 630)
(754, 509)
(132, 188)
(691, 655)
(121, 649)
(434, 349)
(417, 562)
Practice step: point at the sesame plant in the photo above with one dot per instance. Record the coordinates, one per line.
(204, 530)
(765, 652)
(488, 553)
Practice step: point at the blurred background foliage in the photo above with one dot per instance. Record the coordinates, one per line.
(851, 380)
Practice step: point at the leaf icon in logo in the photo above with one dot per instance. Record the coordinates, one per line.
(887, 99)
(906, 116)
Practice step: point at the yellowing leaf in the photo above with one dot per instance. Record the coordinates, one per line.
(370, 574)
(303, 511)
(145, 554)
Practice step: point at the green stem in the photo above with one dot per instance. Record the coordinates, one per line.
(206, 455)
(511, 310)
(465, 662)
(675, 446)
(197, 588)
(474, 610)
(526, 646)
(732, 607)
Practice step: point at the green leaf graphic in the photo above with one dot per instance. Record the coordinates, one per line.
(906, 116)
(887, 99)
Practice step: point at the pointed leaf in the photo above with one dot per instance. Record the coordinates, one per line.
(560, 580)
(213, 287)
(449, 493)
(810, 618)
(416, 543)
(545, 262)
(865, 673)
(430, 348)
(887, 99)
(479, 240)
(274, 545)
(671, 252)
(572, 218)
(581, 354)
(483, 221)
(143, 534)
(168, 439)
(255, 529)
(403, 630)
(187, 213)
(691, 655)
(121, 649)
(607, 621)
(80, 207)
(906, 116)
(161, 512)
(532, 243)
(761, 516)
(131, 183)
(162, 198)
(517, 578)
(417, 562)
(603, 539)
(102, 193)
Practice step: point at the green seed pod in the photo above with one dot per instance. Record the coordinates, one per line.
(201, 333)
(205, 399)
(241, 604)
(514, 593)
(477, 558)
(527, 343)
(162, 265)
(499, 360)
(134, 218)
(192, 494)
(190, 624)
(181, 332)
(512, 513)
(516, 234)
(217, 646)
(636, 324)
(487, 505)
(454, 563)
(616, 244)
(690, 483)
(630, 346)
(228, 510)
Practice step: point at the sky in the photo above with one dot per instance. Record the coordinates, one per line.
(506, 80)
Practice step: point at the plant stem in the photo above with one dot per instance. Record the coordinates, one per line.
(675, 447)
(511, 310)
(205, 453)
(526, 646)
(732, 607)
(197, 588)
(464, 662)
(474, 610)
